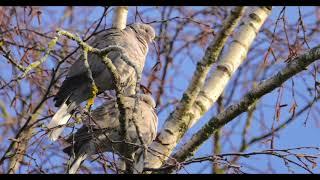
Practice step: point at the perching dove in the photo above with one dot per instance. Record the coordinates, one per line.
(101, 133)
(77, 88)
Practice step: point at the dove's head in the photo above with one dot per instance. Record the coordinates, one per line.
(145, 31)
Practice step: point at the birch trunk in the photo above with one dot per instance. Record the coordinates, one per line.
(230, 61)
(294, 67)
(176, 126)
(119, 19)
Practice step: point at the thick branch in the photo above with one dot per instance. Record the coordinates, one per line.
(176, 125)
(297, 65)
(230, 62)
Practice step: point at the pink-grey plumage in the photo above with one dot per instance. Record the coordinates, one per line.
(102, 132)
(76, 88)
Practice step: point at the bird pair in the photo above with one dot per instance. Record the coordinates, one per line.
(101, 131)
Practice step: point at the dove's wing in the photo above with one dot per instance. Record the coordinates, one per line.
(77, 86)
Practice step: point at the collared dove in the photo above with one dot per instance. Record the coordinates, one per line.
(101, 133)
(77, 88)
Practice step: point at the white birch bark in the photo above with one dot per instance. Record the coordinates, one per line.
(119, 19)
(176, 126)
(297, 65)
(230, 61)
(179, 122)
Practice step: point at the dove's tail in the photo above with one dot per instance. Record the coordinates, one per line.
(59, 121)
(76, 163)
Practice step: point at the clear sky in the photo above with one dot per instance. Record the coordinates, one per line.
(296, 134)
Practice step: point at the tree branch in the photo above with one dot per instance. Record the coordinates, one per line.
(179, 121)
(297, 65)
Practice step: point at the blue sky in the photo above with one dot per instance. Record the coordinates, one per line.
(296, 134)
